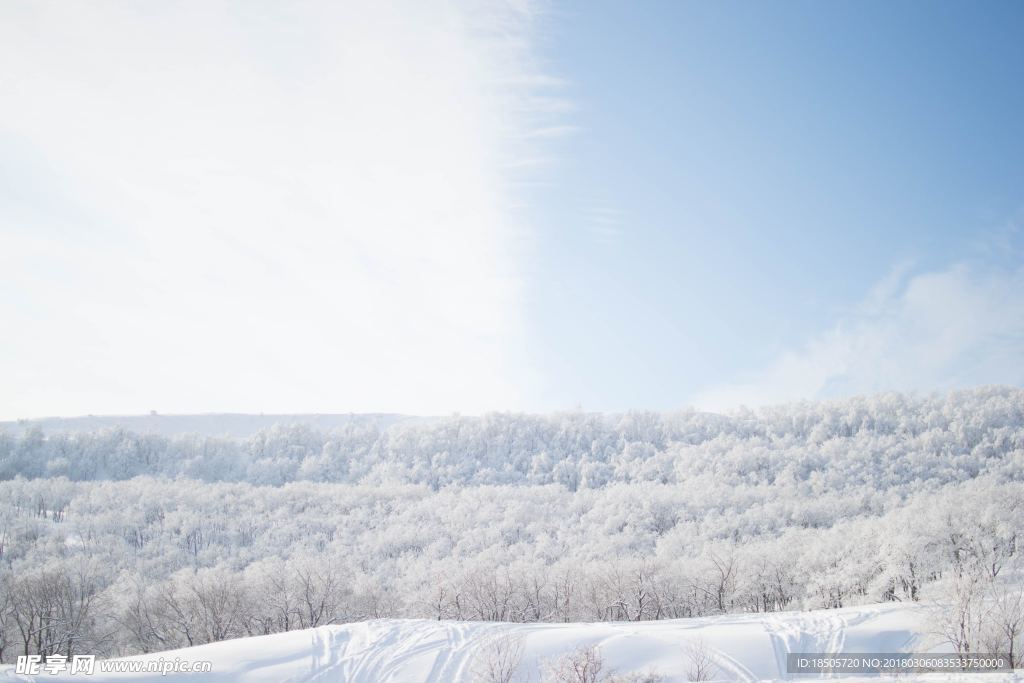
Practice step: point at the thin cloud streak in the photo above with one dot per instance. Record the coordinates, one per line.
(605, 224)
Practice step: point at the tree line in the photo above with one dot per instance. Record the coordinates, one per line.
(808, 507)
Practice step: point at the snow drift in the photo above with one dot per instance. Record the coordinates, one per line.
(749, 647)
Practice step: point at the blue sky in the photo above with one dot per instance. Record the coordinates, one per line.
(428, 207)
(766, 164)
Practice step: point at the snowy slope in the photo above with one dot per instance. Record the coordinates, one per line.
(742, 647)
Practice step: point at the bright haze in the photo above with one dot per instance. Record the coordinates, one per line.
(426, 207)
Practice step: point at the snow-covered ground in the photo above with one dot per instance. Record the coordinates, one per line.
(749, 647)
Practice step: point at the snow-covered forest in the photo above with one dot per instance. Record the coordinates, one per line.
(117, 542)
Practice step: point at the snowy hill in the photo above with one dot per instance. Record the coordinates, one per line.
(751, 647)
(233, 425)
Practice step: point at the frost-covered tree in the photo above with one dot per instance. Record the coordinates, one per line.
(561, 517)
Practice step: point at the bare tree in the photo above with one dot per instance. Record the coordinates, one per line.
(499, 660)
(202, 607)
(221, 602)
(702, 665)
(723, 579)
(279, 604)
(960, 618)
(489, 594)
(1006, 621)
(321, 594)
(142, 620)
(53, 610)
(534, 587)
(630, 591)
(582, 665)
(565, 595)
(6, 613)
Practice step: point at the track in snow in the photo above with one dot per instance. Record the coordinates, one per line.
(744, 648)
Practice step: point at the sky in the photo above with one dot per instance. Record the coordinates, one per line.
(441, 206)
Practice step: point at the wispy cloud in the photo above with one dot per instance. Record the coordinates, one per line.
(605, 224)
(249, 206)
(915, 331)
